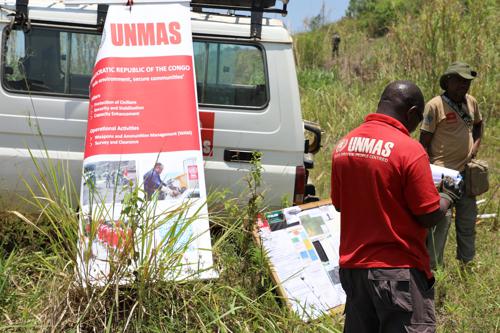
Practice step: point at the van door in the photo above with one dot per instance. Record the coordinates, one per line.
(45, 77)
(241, 91)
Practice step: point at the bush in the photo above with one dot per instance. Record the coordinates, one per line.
(377, 17)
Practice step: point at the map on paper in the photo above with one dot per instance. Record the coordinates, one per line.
(303, 248)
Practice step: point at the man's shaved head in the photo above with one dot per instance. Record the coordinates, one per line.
(402, 94)
(404, 101)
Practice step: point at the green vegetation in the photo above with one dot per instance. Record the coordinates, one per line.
(40, 290)
(38, 252)
(339, 92)
(377, 16)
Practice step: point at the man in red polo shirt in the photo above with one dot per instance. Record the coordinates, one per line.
(383, 188)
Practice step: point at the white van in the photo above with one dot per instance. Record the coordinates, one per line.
(247, 93)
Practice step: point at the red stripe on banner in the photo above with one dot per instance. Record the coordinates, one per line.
(142, 105)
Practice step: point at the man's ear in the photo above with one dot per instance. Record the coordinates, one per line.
(409, 113)
(414, 112)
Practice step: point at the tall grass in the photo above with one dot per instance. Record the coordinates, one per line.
(339, 92)
(40, 289)
(38, 255)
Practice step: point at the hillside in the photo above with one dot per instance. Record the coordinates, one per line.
(338, 92)
(37, 253)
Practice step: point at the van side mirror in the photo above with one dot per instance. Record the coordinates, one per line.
(315, 145)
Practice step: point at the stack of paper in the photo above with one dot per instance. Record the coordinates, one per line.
(438, 172)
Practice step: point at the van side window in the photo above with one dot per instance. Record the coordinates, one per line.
(230, 74)
(49, 61)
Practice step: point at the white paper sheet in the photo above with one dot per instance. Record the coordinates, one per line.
(438, 172)
(311, 286)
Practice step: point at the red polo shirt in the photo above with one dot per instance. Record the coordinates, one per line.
(381, 179)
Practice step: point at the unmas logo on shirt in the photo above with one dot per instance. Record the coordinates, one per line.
(370, 146)
(341, 145)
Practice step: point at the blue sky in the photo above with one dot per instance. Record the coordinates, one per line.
(298, 10)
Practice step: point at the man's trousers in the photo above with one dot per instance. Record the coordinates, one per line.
(388, 300)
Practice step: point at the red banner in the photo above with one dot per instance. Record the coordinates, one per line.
(138, 106)
(143, 139)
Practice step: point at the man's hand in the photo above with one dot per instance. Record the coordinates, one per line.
(449, 190)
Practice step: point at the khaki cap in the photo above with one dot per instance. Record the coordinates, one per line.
(457, 68)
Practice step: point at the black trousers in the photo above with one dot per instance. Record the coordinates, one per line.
(385, 300)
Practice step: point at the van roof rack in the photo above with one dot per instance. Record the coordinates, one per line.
(257, 8)
(21, 14)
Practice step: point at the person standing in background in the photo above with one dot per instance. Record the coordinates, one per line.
(335, 44)
(451, 134)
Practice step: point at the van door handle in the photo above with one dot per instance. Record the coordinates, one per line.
(232, 155)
